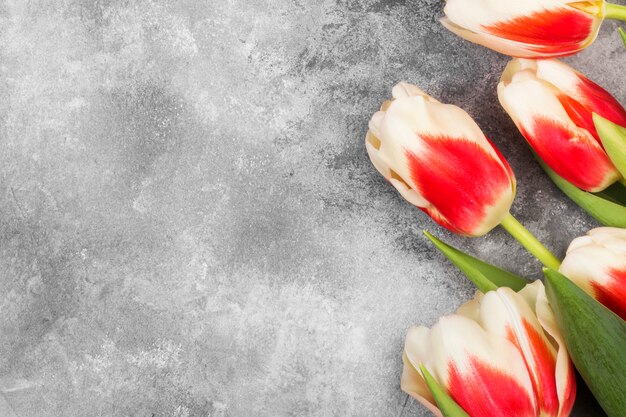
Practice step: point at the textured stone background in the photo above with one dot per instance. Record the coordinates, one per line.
(189, 224)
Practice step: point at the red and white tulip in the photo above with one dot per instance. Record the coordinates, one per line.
(596, 263)
(528, 28)
(502, 354)
(437, 157)
(552, 106)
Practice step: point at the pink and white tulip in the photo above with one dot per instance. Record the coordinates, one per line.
(502, 354)
(596, 263)
(529, 28)
(438, 159)
(552, 106)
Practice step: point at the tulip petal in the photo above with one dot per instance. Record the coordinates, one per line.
(439, 160)
(483, 373)
(613, 294)
(416, 351)
(508, 314)
(613, 239)
(467, 187)
(597, 264)
(448, 407)
(413, 383)
(571, 152)
(582, 90)
(565, 376)
(547, 30)
(503, 46)
(405, 90)
(372, 145)
(531, 28)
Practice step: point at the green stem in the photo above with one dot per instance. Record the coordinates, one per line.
(530, 242)
(615, 11)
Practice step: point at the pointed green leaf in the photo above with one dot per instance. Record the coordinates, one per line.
(613, 139)
(485, 276)
(623, 34)
(603, 210)
(447, 406)
(595, 338)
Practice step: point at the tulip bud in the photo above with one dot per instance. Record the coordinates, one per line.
(500, 355)
(438, 159)
(552, 106)
(529, 28)
(597, 264)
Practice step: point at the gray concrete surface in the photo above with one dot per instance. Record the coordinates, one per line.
(189, 224)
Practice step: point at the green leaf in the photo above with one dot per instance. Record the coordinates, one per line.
(613, 139)
(595, 338)
(615, 193)
(603, 210)
(485, 276)
(621, 32)
(447, 406)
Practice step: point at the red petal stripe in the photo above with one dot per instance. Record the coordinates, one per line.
(597, 100)
(548, 30)
(543, 373)
(459, 179)
(485, 391)
(580, 115)
(600, 101)
(613, 294)
(569, 396)
(568, 153)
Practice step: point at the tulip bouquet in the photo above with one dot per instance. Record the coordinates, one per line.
(512, 350)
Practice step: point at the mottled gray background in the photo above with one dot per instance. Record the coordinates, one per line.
(189, 224)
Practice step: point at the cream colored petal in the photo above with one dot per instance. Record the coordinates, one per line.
(580, 242)
(612, 238)
(501, 45)
(471, 309)
(504, 311)
(375, 124)
(517, 65)
(405, 90)
(562, 76)
(564, 373)
(409, 194)
(374, 154)
(414, 384)
(526, 98)
(472, 14)
(460, 341)
(407, 121)
(590, 257)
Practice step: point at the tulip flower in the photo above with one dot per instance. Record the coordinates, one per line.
(553, 106)
(530, 28)
(596, 263)
(439, 160)
(502, 354)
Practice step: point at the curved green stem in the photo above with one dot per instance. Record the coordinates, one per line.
(615, 11)
(530, 242)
